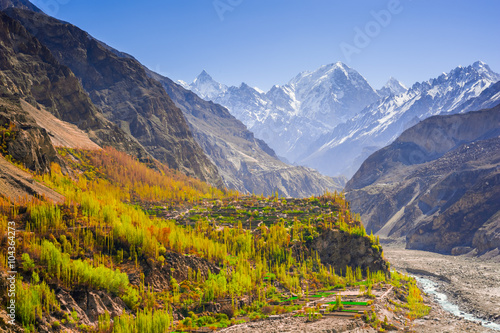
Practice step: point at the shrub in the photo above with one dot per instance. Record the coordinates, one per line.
(56, 325)
(254, 316)
(267, 310)
(28, 263)
(227, 310)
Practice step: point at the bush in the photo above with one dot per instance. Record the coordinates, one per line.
(28, 263)
(56, 325)
(254, 316)
(228, 311)
(267, 310)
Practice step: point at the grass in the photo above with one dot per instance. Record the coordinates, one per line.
(289, 299)
(351, 303)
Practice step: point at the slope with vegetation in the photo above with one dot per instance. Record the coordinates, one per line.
(138, 247)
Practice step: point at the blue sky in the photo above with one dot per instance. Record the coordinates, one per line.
(268, 42)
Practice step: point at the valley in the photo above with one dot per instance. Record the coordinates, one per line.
(134, 203)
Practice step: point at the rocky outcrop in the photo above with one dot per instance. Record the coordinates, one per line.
(175, 266)
(438, 184)
(89, 305)
(22, 139)
(120, 88)
(245, 163)
(339, 249)
(29, 71)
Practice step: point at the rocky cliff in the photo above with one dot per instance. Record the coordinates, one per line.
(120, 88)
(245, 163)
(438, 184)
(29, 72)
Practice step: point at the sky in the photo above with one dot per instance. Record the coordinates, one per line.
(268, 42)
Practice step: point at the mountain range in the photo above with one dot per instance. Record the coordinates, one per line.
(244, 162)
(331, 119)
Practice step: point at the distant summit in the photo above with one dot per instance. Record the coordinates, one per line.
(392, 87)
(291, 116)
(206, 87)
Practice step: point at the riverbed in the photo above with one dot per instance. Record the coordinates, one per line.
(466, 287)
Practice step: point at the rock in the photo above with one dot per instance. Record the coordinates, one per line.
(69, 304)
(115, 306)
(339, 249)
(459, 250)
(95, 306)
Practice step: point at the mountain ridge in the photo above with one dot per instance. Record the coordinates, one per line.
(297, 120)
(291, 116)
(436, 184)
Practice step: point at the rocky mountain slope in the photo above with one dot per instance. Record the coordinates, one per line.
(122, 91)
(290, 117)
(245, 163)
(22, 4)
(438, 184)
(31, 78)
(349, 144)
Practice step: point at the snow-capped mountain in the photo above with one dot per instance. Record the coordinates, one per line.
(290, 117)
(392, 87)
(344, 149)
(205, 86)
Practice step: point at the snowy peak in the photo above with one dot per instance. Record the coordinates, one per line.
(392, 87)
(333, 74)
(203, 78)
(485, 70)
(332, 94)
(206, 87)
(291, 116)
